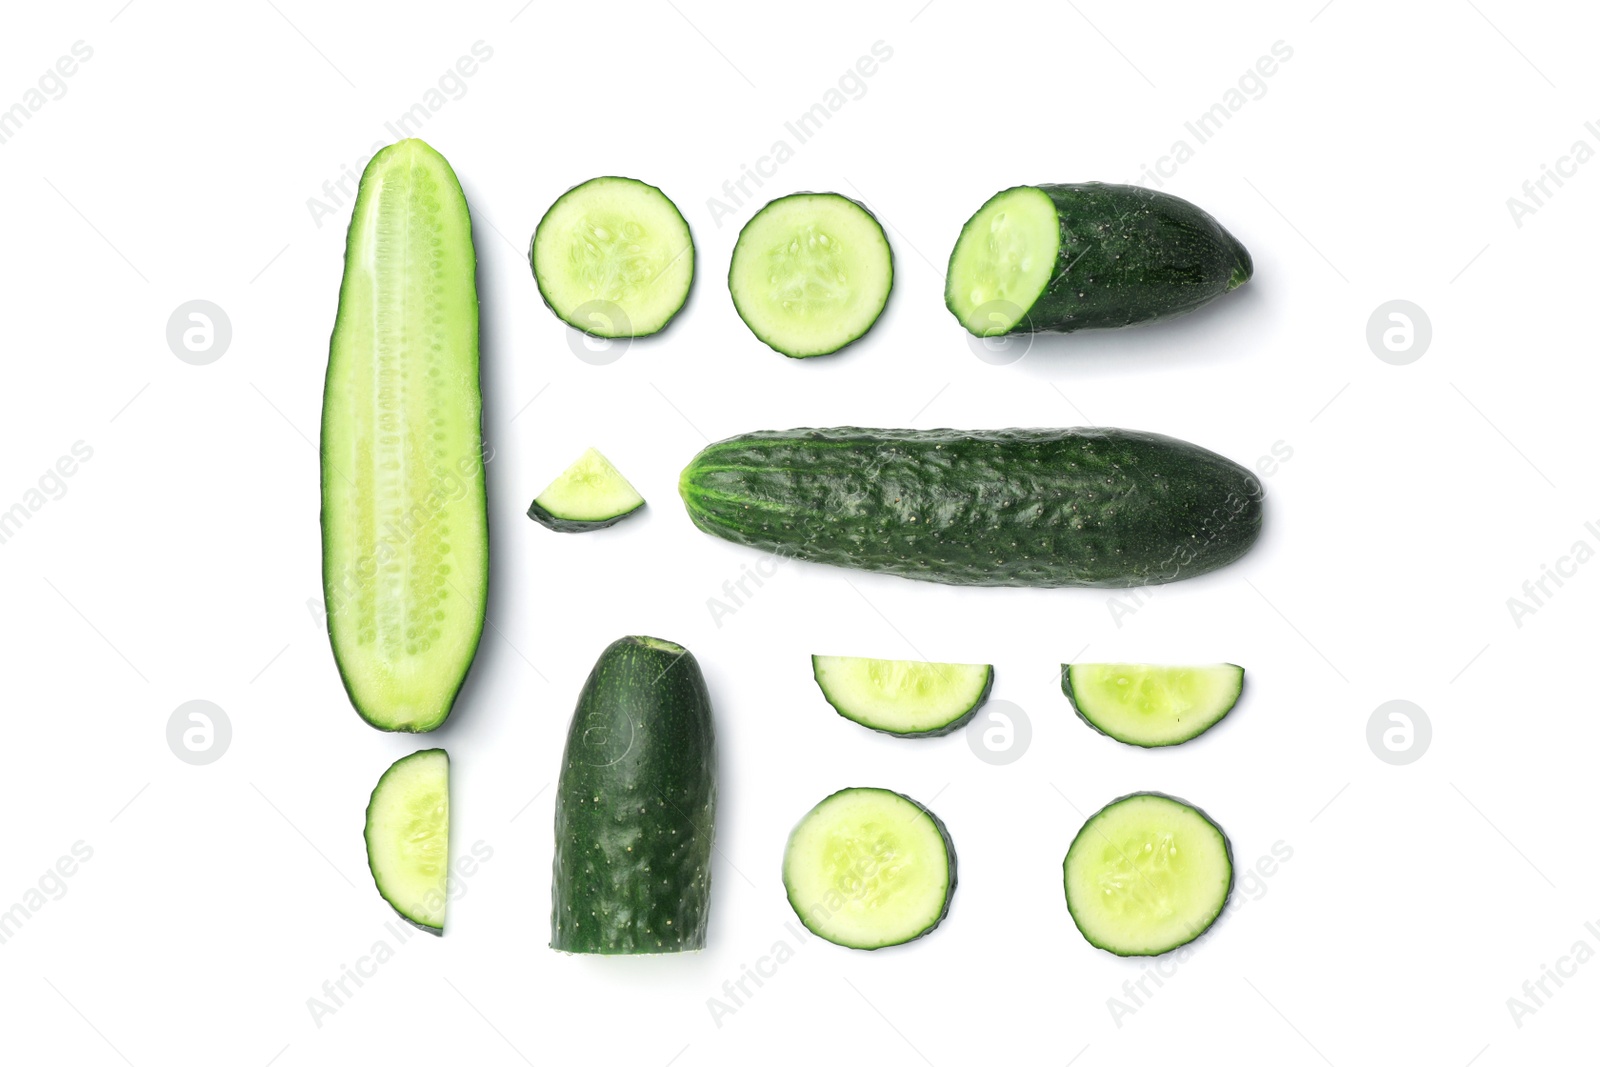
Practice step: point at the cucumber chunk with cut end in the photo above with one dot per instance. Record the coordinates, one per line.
(907, 698)
(408, 837)
(589, 495)
(405, 531)
(811, 272)
(613, 257)
(1151, 706)
(869, 868)
(1146, 874)
(1059, 258)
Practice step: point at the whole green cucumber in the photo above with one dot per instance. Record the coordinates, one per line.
(1059, 258)
(1101, 507)
(636, 806)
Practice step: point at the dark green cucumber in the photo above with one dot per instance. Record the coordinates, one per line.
(636, 806)
(1101, 506)
(1059, 258)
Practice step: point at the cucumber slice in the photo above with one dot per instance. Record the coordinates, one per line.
(408, 837)
(405, 532)
(1149, 706)
(811, 272)
(589, 495)
(907, 698)
(1148, 873)
(613, 257)
(869, 868)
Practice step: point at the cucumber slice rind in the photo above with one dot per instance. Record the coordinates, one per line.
(1102, 718)
(956, 710)
(748, 307)
(617, 323)
(1196, 927)
(377, 850)
(807, 911)
(591, 494)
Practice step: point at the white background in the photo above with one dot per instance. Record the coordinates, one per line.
(180, 561)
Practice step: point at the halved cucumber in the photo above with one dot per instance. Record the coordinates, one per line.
(405, 531)
(1087, 256)
(1149, 706)
(1147, 874)
(868, 868)
(811, 272)
(907, 698)
(589, 495)
(408, 837)
(613, 257)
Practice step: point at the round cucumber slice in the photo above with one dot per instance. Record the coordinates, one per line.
(869, 868)
(408, 837)
(1148, 873)
(1150, 706)
(906, 698)
(1003, 261)
(811, 272)
(589, 495)
(613, 257)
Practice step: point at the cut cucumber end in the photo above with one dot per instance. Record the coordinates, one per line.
(905, 698)
(811, 273)
(1146, 874)
(613, 257)
(1152, 706)
(1002, 261)
(868, 868)
(589, 495)
(408, 837)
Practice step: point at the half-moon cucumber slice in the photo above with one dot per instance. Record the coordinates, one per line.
(408, 837)
(1152, 706)
(906, 698)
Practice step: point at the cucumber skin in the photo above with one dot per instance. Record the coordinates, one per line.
(1130, 255)
(366, 831)
(985, 508)
(948, 728)
(949, 851)
(560, 525)
(1066, 688)
(636, 872)
(1227, 848)
(328, 578)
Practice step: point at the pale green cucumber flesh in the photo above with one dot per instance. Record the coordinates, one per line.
(868, 868)
(613, 257)
(408, 837)
(907, 698)
(1146, 874)
(589, 495)
(404, 523)
(1003, 260)
(1152, 706)
(811, 273)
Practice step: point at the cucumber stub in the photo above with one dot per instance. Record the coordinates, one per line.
(868, 868)
(1146, 874)
(613, 257)
(811, 272)
(408, 837)
(1151, 706)
(905, 698)
(1060, 258)
(589, 495)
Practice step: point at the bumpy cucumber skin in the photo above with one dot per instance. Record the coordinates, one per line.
(1038, 508)
(888, 290)
(587, 327)
(374, 167)
(939, 731)
(366, 835)
(636, 807)
(1130, 255)
(1227, 847)
(1072, 698)
(949, 892)
(560, 525)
